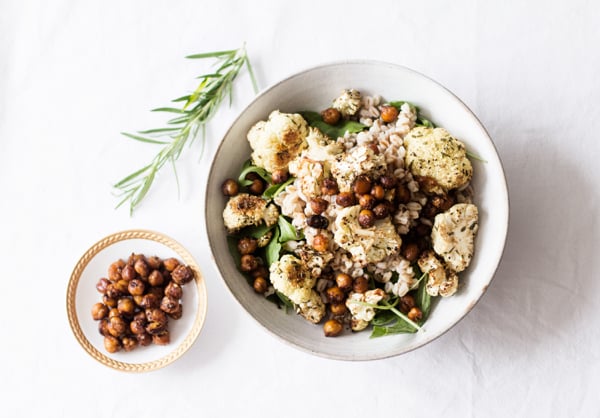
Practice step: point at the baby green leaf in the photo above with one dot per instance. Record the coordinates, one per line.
(288, 232)
(249, 168)
(273, 249)
(274, 189)
(333, 131)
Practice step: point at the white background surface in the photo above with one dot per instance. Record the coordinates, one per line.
(74, 74)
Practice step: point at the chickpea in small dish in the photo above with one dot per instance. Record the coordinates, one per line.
(139, 297)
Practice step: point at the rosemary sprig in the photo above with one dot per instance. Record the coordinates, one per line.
(197, 109)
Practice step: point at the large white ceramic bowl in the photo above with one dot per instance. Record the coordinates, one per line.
(314, 89)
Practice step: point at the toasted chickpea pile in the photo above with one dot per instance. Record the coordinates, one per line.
(138, 298)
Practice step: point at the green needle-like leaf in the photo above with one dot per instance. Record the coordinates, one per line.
(198, 108)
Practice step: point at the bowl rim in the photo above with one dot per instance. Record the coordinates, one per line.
(200, 308)
(370, 62)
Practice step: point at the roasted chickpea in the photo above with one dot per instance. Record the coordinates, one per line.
(129, 343)
(102, 284)
(366, 201)
(329, 187)
(335, 294)
(230, 187)
(332, 328)
(156, 315)
(381, 210)
(144, 339)
(112, 291)
(343, 281)
(247, 245)
(320, 243)
(158, 291)
(388, 182)
(402, 194)
(260, 271)
(141, 267)
(154, 328)
(169, 305)
(318, 205)
(411, 251)
(128, 273)
(162, 339)
(338, 308)
(378, 192)
(136, 287)
(113, 312)
(150, 301)
(423, 230)
(117, 326)
(134, 257)
(426, 184)
(443, 203)
(345, 199)
(156, 278)
(170, 264)
(360, 285)
(99, 311)
(122, 286)
(111, 344)
(114, 271)
(407, 302)
(366, 218)
(388, 113)
(317, 221)
(279, 176)
(415, 314)
(137, 326)
(331, 116)
(362, 185)
(154, 262)
(248, 263)
(173, 290)
(103, 327)
(126, 307)
(182, 274)
(108, 301)
(257, 187)
(260, 285)
(178, 312)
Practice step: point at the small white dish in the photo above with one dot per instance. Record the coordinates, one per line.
(314, 89)
(82, 295)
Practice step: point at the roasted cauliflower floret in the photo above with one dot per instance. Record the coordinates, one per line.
(453, 235)
(313, 309)
(321, 147)
(362, 314)
(367, 245)
(309, 176)
(245, 210)
(292, 278)
(439, 281)
(278, 140)
(360, 160)
(348, 102)
(434, 153)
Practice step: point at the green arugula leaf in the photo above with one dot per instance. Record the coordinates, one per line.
(273, 249)
(249, 168)
(423, 299)
(399, 327)
(333, 131)
(258, 231)
(287, 230)
(274, 189)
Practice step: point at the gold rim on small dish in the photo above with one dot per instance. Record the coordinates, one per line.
(108, 359)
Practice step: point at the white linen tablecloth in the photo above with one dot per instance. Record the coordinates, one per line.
(74, 74)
